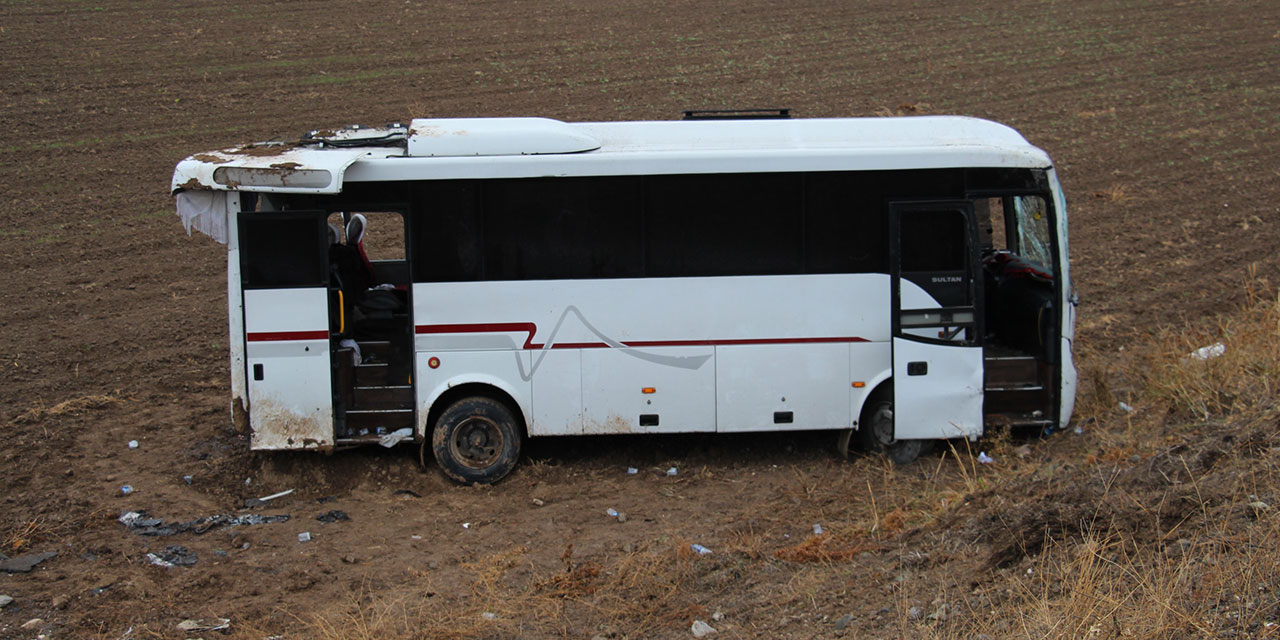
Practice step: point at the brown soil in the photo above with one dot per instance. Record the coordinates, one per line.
(1162, 120)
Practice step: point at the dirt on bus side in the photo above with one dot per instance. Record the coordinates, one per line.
(1161, 120)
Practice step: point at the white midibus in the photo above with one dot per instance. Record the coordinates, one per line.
(468, 283)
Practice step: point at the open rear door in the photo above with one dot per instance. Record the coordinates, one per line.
(937, 324)
(284, 267)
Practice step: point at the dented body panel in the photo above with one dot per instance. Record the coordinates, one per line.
(286, 341)
(277, 168)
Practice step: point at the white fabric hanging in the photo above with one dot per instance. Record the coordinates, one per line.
(205, 211)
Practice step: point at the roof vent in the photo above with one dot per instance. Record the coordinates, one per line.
(455, 137)
(737, 114)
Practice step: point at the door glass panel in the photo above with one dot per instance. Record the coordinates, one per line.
(933, 241)
(935, 255)
(282, 251)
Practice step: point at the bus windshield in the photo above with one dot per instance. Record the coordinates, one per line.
(1033, 229)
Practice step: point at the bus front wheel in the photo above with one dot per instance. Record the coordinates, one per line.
(875, 432)
(476, 440)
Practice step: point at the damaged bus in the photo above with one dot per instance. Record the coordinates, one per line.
(465, 284)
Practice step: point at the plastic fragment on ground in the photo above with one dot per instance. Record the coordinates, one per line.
(701, 629)
(24, 564)
(142, 524)
(213, 624)
(1209, 352)
(253, 502)
(173, 556)
(395, 437)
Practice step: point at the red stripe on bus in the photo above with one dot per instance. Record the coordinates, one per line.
(715, 343)
(271, 336)
(496, 327)
(530, 329)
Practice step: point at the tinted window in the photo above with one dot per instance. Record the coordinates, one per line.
(562, 228)
(663, 226)
(733, 224)
(844, 224)
(446, 232)
(283, 250)
(933, 241)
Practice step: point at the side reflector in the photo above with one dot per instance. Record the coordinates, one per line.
(859, 385)
(648, 390)
(433, 362)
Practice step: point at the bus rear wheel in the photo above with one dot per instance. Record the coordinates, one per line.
(875, 432)
(476, 440)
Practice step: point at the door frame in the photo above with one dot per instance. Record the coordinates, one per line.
(286, 336)
(929, 408)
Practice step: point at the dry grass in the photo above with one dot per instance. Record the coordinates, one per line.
(1240, 378)
(74, 406)
(905, 109)
(1217, 583)
(23, 535)
(1201, 432)
(1115, 193)
(645, 591)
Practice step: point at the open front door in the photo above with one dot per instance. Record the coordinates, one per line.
(285, 275)
(937, 324)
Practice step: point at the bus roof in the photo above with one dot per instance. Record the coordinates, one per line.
(478, 148)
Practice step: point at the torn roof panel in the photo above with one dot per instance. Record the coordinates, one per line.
(281, 168)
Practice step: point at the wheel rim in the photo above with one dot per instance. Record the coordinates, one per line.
(882, 424)
(477, 443)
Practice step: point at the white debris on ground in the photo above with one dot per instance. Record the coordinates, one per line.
(1209, 352)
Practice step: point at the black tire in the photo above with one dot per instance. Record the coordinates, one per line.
(875, 433)
(476, 441)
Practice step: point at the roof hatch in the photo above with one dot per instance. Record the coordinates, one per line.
(496, 137)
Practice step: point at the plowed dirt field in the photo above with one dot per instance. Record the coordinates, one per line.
(1163, 118)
